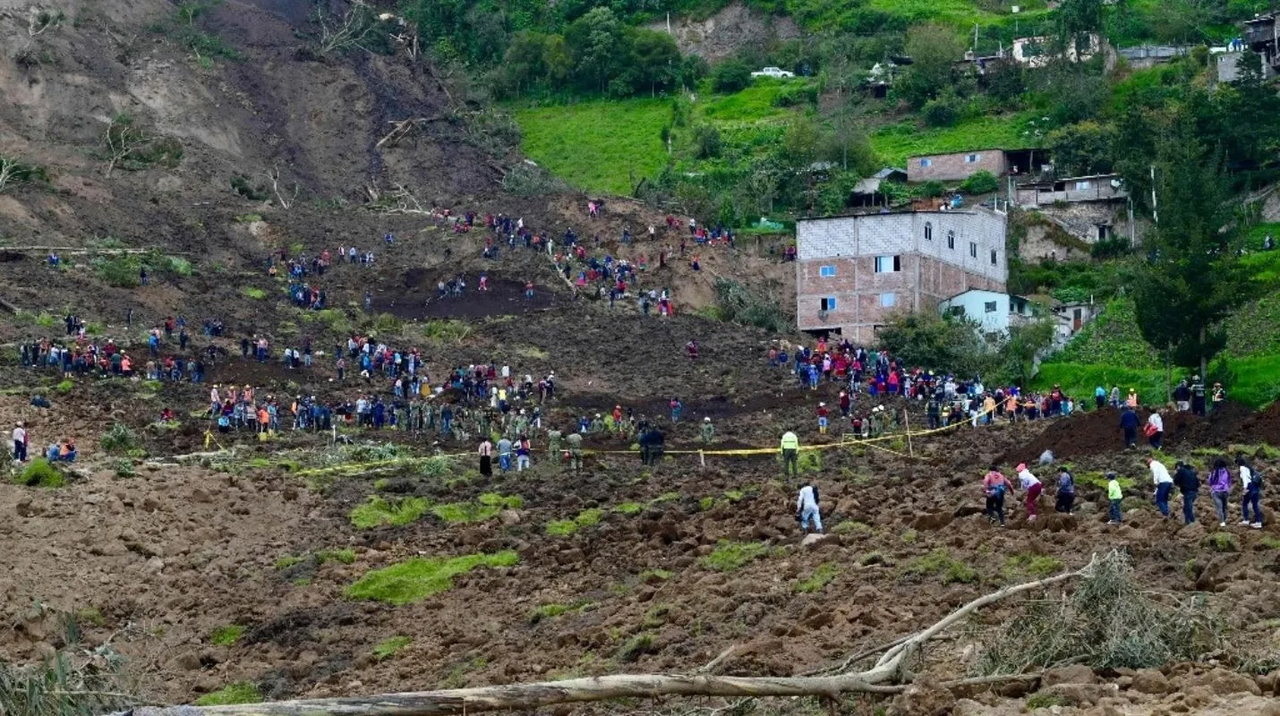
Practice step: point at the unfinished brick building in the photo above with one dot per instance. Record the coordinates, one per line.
(854, 273)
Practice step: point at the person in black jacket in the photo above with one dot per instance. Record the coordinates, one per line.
(1188, 483)
(1129, 423)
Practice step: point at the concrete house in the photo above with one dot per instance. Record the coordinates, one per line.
(956, 167)
(993, 311)
(854, 273)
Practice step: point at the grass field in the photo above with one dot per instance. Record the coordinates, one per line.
(895, 142)
(597, 145)
(963, 13)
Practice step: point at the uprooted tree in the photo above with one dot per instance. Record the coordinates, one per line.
(1109, 590)
(14, 172)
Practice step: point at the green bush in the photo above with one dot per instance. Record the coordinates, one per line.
(941, 112)
(821, 577)
(732, 75)
(65, 386)
(39, 473)
(980, 182)
(119, 439)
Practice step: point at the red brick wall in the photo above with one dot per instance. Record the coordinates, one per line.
(952, 167)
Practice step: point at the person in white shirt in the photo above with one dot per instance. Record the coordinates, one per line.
(1252, 493)
(807, 509)
(20, 445)
(1155, 431)
(1163, 482)
(1032, 485)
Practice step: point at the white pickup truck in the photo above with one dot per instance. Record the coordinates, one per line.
(777, 72)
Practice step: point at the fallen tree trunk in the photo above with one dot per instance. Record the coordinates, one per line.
(880, 679)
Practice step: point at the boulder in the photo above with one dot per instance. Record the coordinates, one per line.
(820, 540)
(1074, 674)
(1083, 694)
(924, 697)
(1151, 681)
(1222, 683)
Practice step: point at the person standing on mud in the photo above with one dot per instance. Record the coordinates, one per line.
(1197, 395)
(575, 451)
(1252, 493)
(1066, 498)
(1114, 497)
(1164, 484)
(553, 441)
(1155, 430)
(807, 509)
(1220, 489)
(504, 454)
(486, 457)
(790, 453)
(1032, 485)
(1129, 424)
(708, 430)
(1188, 483)
(994, 486)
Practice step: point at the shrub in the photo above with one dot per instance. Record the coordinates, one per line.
(39, 473)
(629, 508)
(732, 75)
(637, 646)
(124, 468)
(65, 386)
(730, 556)
(941, 112)
(980, 182)
(707, 143)
(1222, 542)
(419, 578)
(254, 293)
(119, 439)
(241, 184)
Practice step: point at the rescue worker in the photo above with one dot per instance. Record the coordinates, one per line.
(790, 449)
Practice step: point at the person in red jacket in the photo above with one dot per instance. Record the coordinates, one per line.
(844, 403)
(822, 418)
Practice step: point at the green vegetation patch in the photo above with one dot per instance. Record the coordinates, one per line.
(1035, 565)
(387, 648)
(603, 144)
(241, 692)
(821, 577)
(487, 507)
(729, 556)
(379, 512)
(39, 473)
(254, 293)
(419, 578)
(564, 528)
(549, 611)
(226, 635)
(629, 508)
(342, 556)
(940, 563)
(1222, 542)
(894, 143)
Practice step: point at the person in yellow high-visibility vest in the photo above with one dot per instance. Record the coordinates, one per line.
(790, 453)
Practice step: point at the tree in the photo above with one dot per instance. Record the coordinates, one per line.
(933, 49)
(1194, 279)
(1077, 20)
(1084, 148)
(732, 75)
(597, 42)
(930, 341)
(655, 60)
(1024, 345)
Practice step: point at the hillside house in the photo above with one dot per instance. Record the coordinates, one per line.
(1070, 190)
(1036, 52)
(1262, 35)
(956, 167)
(854, 273)
(993, 311)
(869, 191)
